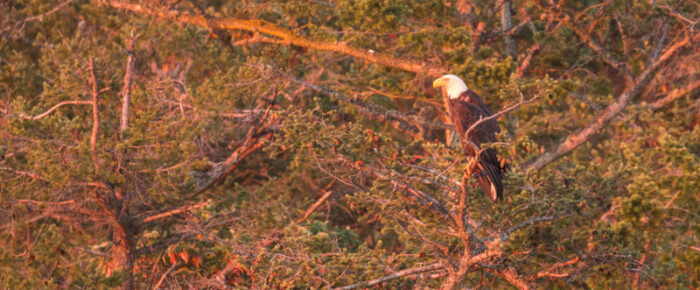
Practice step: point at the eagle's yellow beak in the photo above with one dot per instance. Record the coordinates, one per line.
(439, 83)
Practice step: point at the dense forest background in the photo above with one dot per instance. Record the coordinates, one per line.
(295, 144)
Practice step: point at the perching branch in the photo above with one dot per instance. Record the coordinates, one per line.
(283, 36)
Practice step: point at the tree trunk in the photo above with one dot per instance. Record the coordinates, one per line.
(511, 48)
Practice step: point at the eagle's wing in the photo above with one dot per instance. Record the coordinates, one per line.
(464, 112)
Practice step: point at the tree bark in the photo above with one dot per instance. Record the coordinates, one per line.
(511, 46)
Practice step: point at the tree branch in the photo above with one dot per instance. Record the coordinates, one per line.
(315, 205)
(95, 113)
(172, 212)
(54, 108)
(675, 94)
(126, 90)
(285, 37)
(573, 141)
(399, 274)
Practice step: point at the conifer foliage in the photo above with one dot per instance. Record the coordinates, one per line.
(299, 144)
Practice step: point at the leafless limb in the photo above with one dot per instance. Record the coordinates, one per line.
(25, 173)
(172, 212)
(573, 141)
(313, 207)
(126, 90)
(40, 17)
(675, 94)
(528, 59)
(282, 36)
(505, 235)
(95, 113)
(399, 274)
(162, 278)
(54, 108)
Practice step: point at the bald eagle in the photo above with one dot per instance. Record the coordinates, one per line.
(465, 109)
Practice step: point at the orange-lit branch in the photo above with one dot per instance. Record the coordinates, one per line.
(284, 36)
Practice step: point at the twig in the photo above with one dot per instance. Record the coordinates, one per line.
(314, 206)
(95, 113)
(26, 173)
(173, 212)
(528, 59)
(126, 90)
(55, 107)
(162, 278)
(40, 17)
(399, 274)
(675, 94)
(505, 235)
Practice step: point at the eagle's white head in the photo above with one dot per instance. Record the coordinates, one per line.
(454, 86)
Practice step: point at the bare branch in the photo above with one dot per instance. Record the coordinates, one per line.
(54, 108)
(505, 235)
(25, 173)
(126, 91)
(528, 59)
(285, 36)
(40, 17)
(675, 94)
(573, 141)
(399, 274)
(172, 212)
(315, 205)
(95, 113)
(162, 278)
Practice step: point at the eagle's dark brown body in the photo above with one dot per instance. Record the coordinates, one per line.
(466, 110)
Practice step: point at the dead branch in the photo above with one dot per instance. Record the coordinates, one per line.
(252, 143)
(284, 36)
(399, 274)
(95, 113)
(675, 94)
(528, 59)
(162, 278)
(172, 212)
(40, 17)
(513, 278)
(314, 206)
(25, 173)
(126, 90)
(573, 141)
(54, 108)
